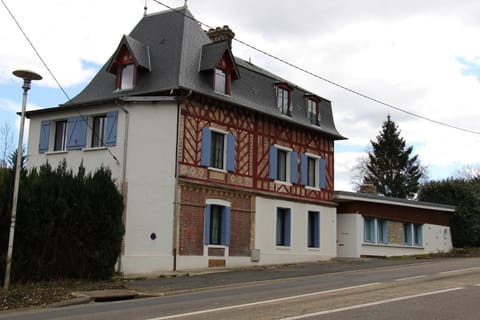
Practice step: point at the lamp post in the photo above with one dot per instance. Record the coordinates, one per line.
(27, 77)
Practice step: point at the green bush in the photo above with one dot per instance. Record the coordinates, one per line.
(68, 225)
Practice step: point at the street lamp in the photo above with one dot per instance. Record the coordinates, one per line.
(27, 77)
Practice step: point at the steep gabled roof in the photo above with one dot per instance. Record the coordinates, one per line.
(178, 49)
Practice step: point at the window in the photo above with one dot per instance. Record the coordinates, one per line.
(417, 234)
(313, 171)
(98, 131)
(283, 227)
(127, 77)
(283, 100)
(60, 136)
(217, 225)
(382, 228)
(407, 234)
(369, 230)
(313, 229)
(220, 81)
(44, 136)
(313, 111)
(218, 150)
(283, 165)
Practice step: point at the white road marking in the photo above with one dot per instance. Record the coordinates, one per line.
(194, 313)
(459, 270)
(304, 316)
(410, 278)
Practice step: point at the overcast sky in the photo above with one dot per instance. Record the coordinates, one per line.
(420, 56)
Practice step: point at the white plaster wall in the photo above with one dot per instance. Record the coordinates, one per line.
(437, 238)
(150, 174)
(265, 225)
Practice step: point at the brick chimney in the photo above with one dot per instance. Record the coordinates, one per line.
(367, 187)
(220, 34)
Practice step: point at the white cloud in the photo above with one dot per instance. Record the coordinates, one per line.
(405, 53)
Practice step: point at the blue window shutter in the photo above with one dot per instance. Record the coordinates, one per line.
(316, 230)
(44, 136)
(230, 152)
(323, 175)
(226, 226)
(303, 169)
(206, 141)
(288, 227)
(111, 129)
(385, 231)
(293, 167)
(208, 210)
(76, 133)
(273, 163)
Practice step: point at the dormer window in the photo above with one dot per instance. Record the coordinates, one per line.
(284, 99)
(221, 84)
(126, 77)
(313, 110)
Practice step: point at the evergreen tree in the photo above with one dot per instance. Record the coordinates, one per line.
(390, 166)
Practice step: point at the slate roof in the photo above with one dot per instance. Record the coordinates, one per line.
(178, 48)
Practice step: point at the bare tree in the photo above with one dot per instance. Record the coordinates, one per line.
(6, 144)
(470, 172)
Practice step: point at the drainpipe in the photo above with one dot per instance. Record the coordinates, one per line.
(176, 225)
(124, 183)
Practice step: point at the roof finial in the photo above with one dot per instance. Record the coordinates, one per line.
(185, 4)
(145, 9)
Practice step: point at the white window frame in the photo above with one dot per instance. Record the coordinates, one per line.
(317, 171)
(288, 173)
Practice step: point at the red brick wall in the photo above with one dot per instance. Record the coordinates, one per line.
(192, 213)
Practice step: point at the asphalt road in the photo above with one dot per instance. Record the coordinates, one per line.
(440, 289)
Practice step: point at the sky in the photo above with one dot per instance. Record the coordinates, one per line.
(419, 56)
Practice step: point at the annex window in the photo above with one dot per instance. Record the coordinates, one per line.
(218, 150)
(382, 228)
(407, 234)
(313, 111)
(221, 78)
(283, 227)
(312, 169)
(418, 234)
(369, 230)
(283, 164)
(217, 225)
(60, 136)
(313, 229)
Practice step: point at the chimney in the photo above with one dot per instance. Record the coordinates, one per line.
(368, 188)
(220, 34)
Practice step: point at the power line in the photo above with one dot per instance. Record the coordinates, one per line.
(84, 118)
(336, 84)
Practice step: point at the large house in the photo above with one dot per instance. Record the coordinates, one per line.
(221, 163)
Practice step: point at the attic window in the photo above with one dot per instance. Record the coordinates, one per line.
(221, 84)
(126, 77)
(313, 110)
(284, 98)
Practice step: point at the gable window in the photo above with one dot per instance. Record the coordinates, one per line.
(283, 164)
(218, 150)
(369, 229)
(313, 171)
(98, 131)
(221, 81)
(60, 136)
(313, 111)
(217, 224)
(283, 227)
(283, 100)
(313, 229)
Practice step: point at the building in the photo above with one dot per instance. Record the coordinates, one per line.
(369, 225)
(221, 163)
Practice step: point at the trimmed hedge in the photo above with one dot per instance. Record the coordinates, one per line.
(68, 225)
